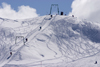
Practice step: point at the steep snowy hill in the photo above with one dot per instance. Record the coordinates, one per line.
(58, 41)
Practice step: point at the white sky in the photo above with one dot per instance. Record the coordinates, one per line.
(86, 9)
(23, 12)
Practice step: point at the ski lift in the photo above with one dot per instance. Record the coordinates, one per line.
(54, 7)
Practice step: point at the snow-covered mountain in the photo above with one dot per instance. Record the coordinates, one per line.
(60, 41)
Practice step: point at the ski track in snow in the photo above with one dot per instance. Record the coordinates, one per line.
(68, 47)
(21, 46)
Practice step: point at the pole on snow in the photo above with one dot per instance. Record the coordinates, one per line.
(41, 63)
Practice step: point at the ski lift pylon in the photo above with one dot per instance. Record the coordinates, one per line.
(54, 6)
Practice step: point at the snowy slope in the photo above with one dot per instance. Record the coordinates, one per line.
(62, 41)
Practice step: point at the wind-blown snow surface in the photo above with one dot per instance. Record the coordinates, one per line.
(62, 41)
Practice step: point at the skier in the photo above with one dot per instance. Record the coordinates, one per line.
(40, 27)
(95, 62)
(10, 53)
(26, 39)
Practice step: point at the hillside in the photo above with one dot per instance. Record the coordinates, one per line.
(62, 41)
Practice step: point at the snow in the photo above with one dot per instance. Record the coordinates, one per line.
(62, 41)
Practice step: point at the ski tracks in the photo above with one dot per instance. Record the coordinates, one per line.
(4, 59)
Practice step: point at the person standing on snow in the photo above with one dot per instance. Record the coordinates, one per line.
(10, 55)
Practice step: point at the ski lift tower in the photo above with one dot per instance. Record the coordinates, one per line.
(52, 6)
(22, 37)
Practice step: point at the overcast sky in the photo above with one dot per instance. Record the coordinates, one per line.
(22, 9)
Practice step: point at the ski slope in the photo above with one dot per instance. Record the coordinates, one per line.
(17, 48)
(62, 41)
